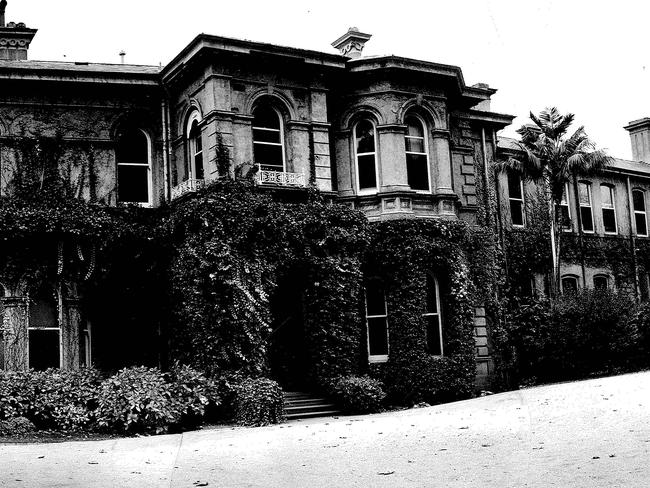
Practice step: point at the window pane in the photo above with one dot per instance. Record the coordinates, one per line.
(641, 224)
(514, 186)
(638, 197)
(517, 212)
(266, 136)
(365, 137)
(432, 298)
(583, 194)
(378, 336)
(42, 311)
(566, 220)
(198, 142)
(600, 282)
(569, 284)
(414, 145)
(133, 184)
(198, 165)
(43, 348)
(367, 178)
(587, 222)
(414, 127)
(606, 196)
(375, 299)
(132, 148)
(270, 157)
(565, 196)
(433, 334)
(609, 220)
(265, 116)
(417, 171)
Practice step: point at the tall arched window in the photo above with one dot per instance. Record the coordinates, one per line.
(376, 321)
(417, 159)
(194, 165)
(133, 154)
(268, 138)
(44, 332)
(433, 316)
(365, 153)
(608, 209)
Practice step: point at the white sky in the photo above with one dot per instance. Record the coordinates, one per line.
(586, 57)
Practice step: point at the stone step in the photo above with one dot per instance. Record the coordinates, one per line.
(309, 415)
(306, 401)
(309, 408)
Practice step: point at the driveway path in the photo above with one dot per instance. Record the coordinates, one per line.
(592, 433)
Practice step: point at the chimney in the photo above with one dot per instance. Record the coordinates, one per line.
(483, 105)
(640, 138)
(14, 37)
(351, 43)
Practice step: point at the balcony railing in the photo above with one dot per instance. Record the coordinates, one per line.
(283, 178)
(187, 186)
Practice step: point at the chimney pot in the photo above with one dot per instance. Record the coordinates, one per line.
(14, 37)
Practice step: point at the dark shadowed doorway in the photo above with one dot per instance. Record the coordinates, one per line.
(288, 356)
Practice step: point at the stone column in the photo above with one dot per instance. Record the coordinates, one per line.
(70, 330)
(391, 158)
(442, 161)
(15, 340)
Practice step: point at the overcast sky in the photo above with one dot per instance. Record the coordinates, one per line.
(586, 57)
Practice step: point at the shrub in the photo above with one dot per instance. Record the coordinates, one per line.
(137, 400)
(359, 394)
(192, 393)
(419, 378)
(51, 399)
(16, 426)
(257, 401)
(573, 336)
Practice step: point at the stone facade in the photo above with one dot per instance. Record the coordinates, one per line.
(212, 102)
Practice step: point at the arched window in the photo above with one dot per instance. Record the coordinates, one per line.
(433, 316)
(365, 153)
(44, 332)
(569, 284)
(608, 208)
(376, 321)
(640, 219)
(133, 154)
(194, 151)
(601, 282)
(417, 159)
(565, 209)
(268, 138)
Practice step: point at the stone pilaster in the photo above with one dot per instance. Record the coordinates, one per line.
(71, 328)
(14, 340)
(392, 175)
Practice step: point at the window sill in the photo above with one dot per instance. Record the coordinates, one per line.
(378, 359)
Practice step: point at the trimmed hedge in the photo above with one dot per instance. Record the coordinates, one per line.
(359, 394)
(133, 400)
(257, 401)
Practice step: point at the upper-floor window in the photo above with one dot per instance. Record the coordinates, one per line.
(417, 159)
(433, 316)
(516, 199)
(569, 284)
(601, 282)
(584, 197)
(133, 156)
(194, 148)
(608, 208)
(638, 201)
(565, 209)
(268, 138)
(376, 321)
(365, 152)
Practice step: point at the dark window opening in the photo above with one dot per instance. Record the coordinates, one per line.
(569, 285)
(364, 135)
(133, 171)
(600, 282)
(433, 317)
(516, 200)
(376, 319)
(417, 163)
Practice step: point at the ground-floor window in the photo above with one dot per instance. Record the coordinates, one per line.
(433, 316)
(376, 321)
(86, 345)
(44, 333)
(569, 284)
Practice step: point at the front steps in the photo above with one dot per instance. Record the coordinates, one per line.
(299, 405)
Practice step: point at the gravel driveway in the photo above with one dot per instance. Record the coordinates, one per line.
(585, 434)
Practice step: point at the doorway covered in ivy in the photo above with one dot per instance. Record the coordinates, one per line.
(288, 351)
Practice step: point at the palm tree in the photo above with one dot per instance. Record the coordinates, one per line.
(549, 158)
